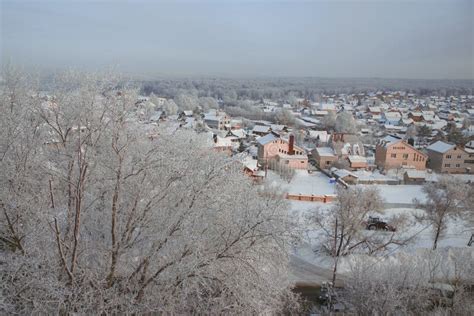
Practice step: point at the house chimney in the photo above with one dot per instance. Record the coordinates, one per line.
(291, 145)
(411, 141)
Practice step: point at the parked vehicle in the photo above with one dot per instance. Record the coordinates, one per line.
(326, 294)
(375, 223)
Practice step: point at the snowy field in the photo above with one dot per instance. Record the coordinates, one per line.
(309, 252)
(317, 183)
(308, 258)
(399, 193)
(303, 182)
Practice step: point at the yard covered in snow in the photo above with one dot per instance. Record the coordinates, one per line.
(317, 183)
(399, 193)
(303, 182)
(420, 233)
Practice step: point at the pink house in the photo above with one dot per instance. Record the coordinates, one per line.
(272, 147)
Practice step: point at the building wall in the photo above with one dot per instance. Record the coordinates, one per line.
(219, 123)
(272, 149)
(350, 179)
(399, 155)
(295, 163)
(408, 180)
(435, 160)
(325, 162)
(452, 161)
(359, 165)
(380, 155)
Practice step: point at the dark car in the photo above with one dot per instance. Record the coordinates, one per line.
(375, 223)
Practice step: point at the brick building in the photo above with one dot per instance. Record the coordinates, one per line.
(393, 152)
(272, 147)
(448, 158)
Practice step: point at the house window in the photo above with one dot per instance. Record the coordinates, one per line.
(287, 161)
(302, 161)
(447, 165)
(459, 156)
(468, 161)
(328, 162)
(405, 156)
(458, 165)
(448, 156)
(393, 155)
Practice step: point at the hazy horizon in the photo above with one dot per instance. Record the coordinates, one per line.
(410, 39)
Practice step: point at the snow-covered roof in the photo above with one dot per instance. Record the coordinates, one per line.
(240, 133)
(211, 117)
(323, 135)
(276, 127)
(266, 139)
(392, 115)
(156, 116)
(320, 112)
(390, 140)
(325, 152)
(374, 109)
(393, 127)
(440, 147)
(222, 142)
(261, 129)
(247, 161)
(357, 158)
(327, 106)
(415, 174)
(341, 173)
(305, 123)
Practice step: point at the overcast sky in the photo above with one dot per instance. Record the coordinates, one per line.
(366, 38)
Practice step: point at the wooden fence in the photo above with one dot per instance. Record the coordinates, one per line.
(327, 198)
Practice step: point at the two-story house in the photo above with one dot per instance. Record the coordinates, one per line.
(272, 147)
(217, 120)
(393, 152)
(449, 158)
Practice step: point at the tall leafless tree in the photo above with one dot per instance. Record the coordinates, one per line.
(445, 199)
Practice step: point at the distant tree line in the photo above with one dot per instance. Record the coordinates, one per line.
(230, 90)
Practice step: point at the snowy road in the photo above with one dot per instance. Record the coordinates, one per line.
(304, 273)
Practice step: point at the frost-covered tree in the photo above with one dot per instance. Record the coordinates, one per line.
(345, 123)
(434, 282)
(208, 103)
(98, 218)
(20, 181)
(411, 131)
(285, 117)
(446, 199)
(329, 121)
(170, 107)
(187, 101)
(342, 226)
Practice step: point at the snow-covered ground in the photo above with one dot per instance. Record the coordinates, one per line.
(307, 253)
(303, 182)
(318, 183)
(457, 234)
(399, 193)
